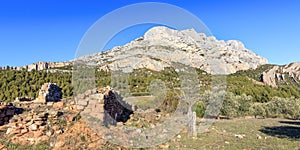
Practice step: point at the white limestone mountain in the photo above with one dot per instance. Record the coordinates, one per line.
(161, 46)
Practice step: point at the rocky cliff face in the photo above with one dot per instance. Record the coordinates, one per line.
(288, 75)
(44, 65)
(161, 46)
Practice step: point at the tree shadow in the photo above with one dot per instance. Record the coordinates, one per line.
(290, 122)
(291, 132)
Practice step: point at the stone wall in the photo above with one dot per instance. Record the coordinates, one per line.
(7, 111)
(115, 109)
(49, 92)
(104, 104)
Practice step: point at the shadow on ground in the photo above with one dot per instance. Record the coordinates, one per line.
(291, 131)
(291, 122)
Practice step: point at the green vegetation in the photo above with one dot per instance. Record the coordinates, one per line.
(244, 97)
(199, 109)
(239, 85)
(27, 84)
(255, 73)
(9, 145)
(63, 68)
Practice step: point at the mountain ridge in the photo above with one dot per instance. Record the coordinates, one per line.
(161, 45)
(187, 47)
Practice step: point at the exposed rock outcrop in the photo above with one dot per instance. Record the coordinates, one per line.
(288, 74)
(44, 65)
(161, 46)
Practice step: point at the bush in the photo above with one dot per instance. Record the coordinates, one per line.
(170, 102)
(258, 109)
(200, 108)
(236, 106)
(277, 108)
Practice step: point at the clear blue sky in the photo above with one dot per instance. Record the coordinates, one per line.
(50, 30)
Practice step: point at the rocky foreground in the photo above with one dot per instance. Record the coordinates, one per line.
(66, 124)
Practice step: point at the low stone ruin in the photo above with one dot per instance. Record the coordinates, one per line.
(104, 104)
(115, 109)
(49, 92)
(38, 123)
(7, 111)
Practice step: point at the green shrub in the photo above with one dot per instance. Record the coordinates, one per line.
(170, 102)
(258, 109)
(200, 108)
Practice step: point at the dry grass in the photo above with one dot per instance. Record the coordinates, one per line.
(274, 133)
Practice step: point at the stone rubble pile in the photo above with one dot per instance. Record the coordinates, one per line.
(50, 120)
(41, 122)
(34, 126)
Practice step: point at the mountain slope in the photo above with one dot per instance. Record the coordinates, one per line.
(162, 46)
(275, 75)
(282, 75)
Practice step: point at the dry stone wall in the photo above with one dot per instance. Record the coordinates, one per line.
(6, 113)
(49, 92)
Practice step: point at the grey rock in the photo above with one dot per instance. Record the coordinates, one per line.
(33, 127)
(160, 47)
(278, 74)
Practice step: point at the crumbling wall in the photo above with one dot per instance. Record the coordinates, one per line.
(7, 111)
(115, 109)
(104, 104)
(49, 92)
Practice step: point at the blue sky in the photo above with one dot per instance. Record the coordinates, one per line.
(50, 30)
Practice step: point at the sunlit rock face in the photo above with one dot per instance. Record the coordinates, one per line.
(160, 47)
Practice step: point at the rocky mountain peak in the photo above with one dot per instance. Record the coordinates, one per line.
(162, 33)
(161, 45)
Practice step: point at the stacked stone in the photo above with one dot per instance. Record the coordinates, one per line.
(33, 127)
(49, 92)
(54, 93)
(7, 111)
(105, 105)
(83, 99)
(115, 110)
